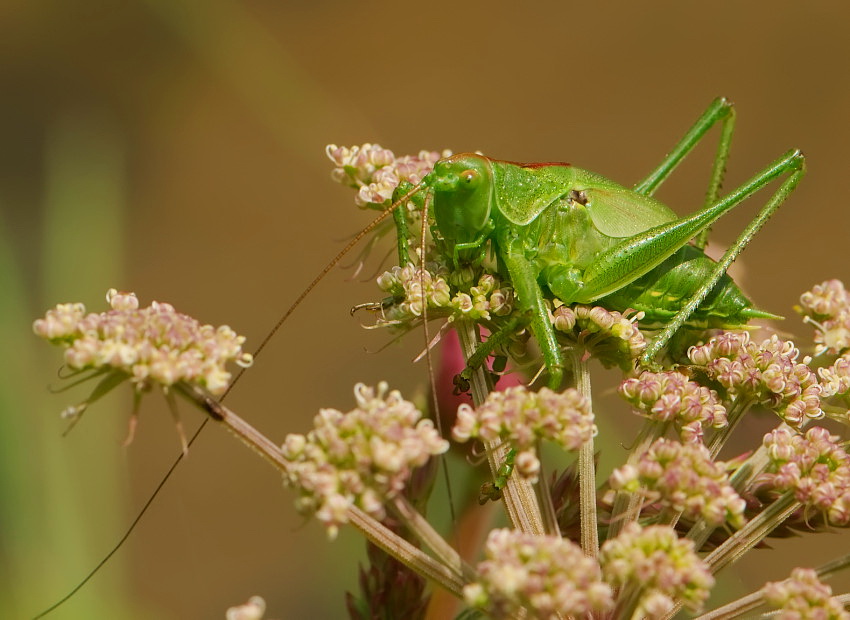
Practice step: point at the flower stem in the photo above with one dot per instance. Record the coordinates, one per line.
(752, 533)
(735, 608)
(756, 530)
(829, 569)
(754, 599)
(412, 557)
(735, 415)
(743, 476)
(550, 517)
(586, 465)
(625, 508)
(409, 555)
(518, 494)
(423, 530)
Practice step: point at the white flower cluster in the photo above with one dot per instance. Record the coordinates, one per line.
(768, 372)
(683, 477)
(409, 282)
(361, 458)
(815, 466)
(612, 337)
(156, 344)
(546, 575)
(827, 307)
(522, 417)
(376, 172)
(659, 568)
(803, 595)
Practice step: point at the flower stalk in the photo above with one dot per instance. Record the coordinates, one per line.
(519, 496)
(587, 468)
(450, 574)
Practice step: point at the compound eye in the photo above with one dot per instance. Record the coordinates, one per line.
(470, 177)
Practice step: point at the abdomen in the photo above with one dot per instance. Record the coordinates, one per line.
(665, 289)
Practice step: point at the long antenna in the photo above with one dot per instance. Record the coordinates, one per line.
(354, 241)
(435, 402)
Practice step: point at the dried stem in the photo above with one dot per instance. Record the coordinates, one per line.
(518, 494)
(376, 532)
(735, 415)
(423, 530)
(586, 466)
(825, 571)
(625, 508)
(735, 608)
(752, 533)
(754, 599)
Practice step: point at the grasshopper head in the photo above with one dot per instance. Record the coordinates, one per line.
(463, 196)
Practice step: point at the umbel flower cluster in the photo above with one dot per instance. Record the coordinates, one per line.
(149, 347)
(644, 539)
(153, 345)
(361, 458)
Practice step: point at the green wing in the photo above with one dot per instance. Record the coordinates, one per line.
(524, 191)
(617, 211)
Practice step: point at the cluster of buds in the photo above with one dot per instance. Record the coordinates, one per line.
(484, 299)
(612, 337)
(415, 287)
(658, 567)
(376, 172)
(827, 307)
(522, 418)
(814, 466)
(362, 458)
(803, 595)
(835, 380)
(546, 575)
(768, 373)
(684, 478)
(150, 345)
(408, 284)
(671, 397)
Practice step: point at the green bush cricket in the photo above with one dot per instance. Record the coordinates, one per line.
(561, 231)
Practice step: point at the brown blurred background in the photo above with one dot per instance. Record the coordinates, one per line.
(175, 149)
